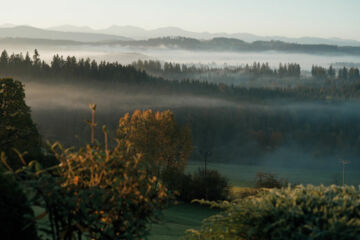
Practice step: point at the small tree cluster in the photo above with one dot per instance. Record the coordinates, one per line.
(344, 73)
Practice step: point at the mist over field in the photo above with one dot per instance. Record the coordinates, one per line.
(47, 96)
(60, 110)
(54, 96)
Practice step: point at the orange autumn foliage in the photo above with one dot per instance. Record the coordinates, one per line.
(156, 135)
(115, 190)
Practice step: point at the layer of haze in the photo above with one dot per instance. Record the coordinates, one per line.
(60, 109)
(292, 18)
(126, 56)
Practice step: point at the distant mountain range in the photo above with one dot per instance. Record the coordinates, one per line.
(236, 45)
(138, 33)
(72, 36)
(115, 32)
(192, 44)
(38, 33)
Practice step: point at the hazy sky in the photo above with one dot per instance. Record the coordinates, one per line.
(294, 18)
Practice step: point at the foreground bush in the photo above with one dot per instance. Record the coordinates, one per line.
(113, 195)
(96, 193)
(301, 213)
(16, 215)
(244, 192)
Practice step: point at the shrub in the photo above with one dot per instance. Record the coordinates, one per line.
(244, 192)
(179, 183)
(210, 186)
(16, 215)
(269, 180)
(300, 213)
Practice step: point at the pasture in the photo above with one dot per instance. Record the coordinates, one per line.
(244, 175)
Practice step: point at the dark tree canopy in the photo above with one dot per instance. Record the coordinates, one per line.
(17, 130)
(16, 214)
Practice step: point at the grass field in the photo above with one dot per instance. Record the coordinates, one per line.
(177, 219)
(244, 175)
(174, 222)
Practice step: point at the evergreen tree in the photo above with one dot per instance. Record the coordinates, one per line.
(17, 130)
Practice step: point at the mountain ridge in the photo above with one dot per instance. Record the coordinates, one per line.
(24, 31)
(139, 33)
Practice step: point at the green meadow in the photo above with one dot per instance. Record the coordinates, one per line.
(177, 219)
(244, 175)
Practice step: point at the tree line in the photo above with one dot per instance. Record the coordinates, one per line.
(348, 74)
(257, 68)
(69, 67)
(83, 70)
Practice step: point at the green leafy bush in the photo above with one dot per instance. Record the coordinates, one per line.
(311, 212)
(16, 215)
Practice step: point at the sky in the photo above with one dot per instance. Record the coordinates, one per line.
(292, 18)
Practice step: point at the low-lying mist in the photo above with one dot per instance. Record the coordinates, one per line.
(303, 135)
(127, 55)
(75, 97)
(49, 96)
